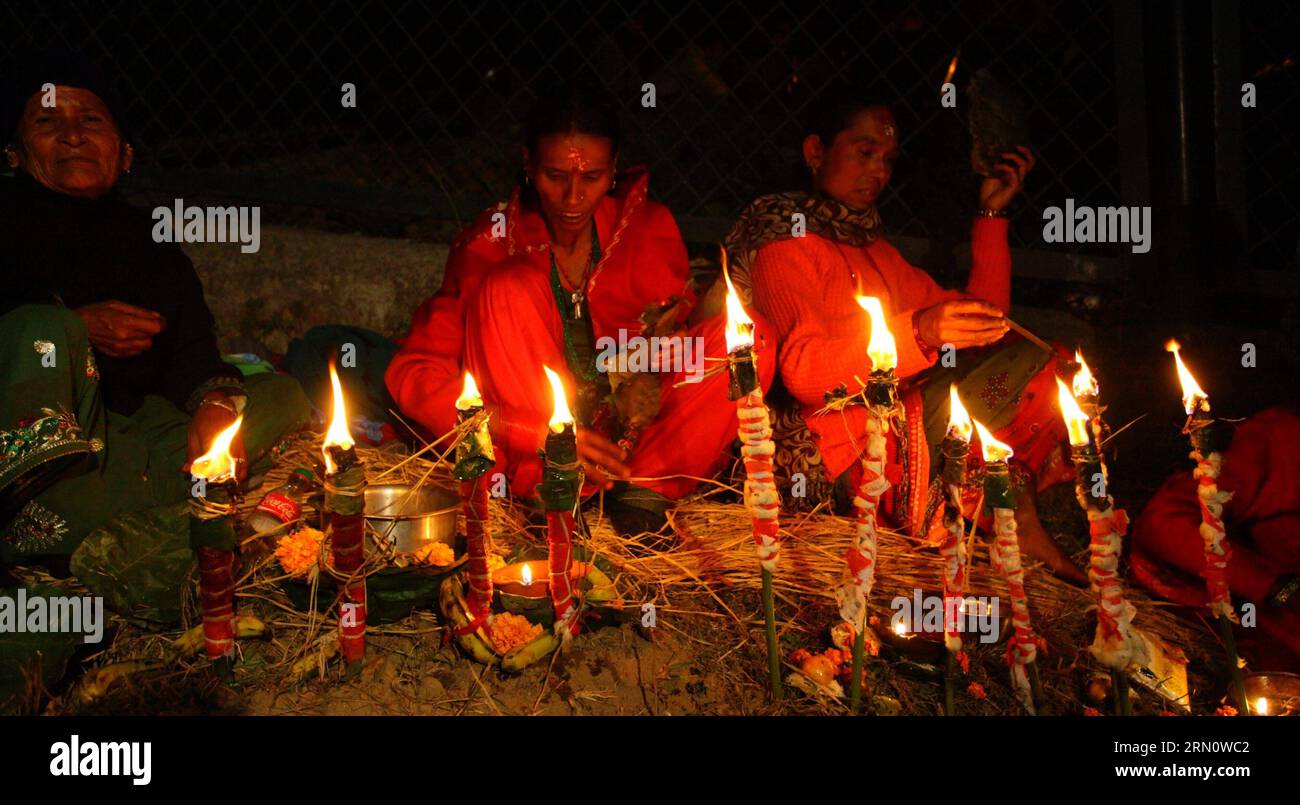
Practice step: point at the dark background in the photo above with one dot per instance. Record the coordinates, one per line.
(242, 99)
(1133, 103)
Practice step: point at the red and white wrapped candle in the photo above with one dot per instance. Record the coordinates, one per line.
(954, 448)
(1115, 645)
(999, 497)
(860, 560)
(762, 500)
(1202, 433)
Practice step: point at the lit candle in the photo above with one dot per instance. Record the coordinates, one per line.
(212, 535)
(762, 500)
(345, 488)
(1088, 394)
(1202, 432)
(1116, 645)
(955, 449)
(881, 395)
(559, 491)
(474, 457)
(1000, 499)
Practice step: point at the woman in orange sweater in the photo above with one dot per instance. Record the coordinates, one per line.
(805, 256)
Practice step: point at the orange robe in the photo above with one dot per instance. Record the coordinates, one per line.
(496, 316)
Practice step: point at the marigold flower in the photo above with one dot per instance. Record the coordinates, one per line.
(509, 630)
(434, 553)
(300, 551)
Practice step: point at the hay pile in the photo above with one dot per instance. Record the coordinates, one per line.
(709, 579)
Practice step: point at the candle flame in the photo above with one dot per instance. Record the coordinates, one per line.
(1261, 706)
(1084, 384)
(740, 327)
(1193, 395)
(526, 574)
(900, 629)
(992, 449)
(952, 68)
(217, 464)
(958, 420)
(1076, 421)
(338, 434)
(881, 348)
(561, 415)
(469, 396)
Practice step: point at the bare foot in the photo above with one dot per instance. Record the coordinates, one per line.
(1038, 544)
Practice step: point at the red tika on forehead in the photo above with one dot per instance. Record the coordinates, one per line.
(576, 160)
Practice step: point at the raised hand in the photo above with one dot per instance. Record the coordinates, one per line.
(997, 191)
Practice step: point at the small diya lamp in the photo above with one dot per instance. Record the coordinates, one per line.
(921, 646)
(928, 644)
(345, 525)
(1273, 693)
(525, 587)
(212, 535)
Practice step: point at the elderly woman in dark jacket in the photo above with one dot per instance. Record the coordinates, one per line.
(112, 381)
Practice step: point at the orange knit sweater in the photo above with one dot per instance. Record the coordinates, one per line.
(806, 286)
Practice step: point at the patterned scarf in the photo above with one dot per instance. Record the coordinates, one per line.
(773, 217)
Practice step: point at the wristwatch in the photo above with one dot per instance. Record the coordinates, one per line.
(1285, 588)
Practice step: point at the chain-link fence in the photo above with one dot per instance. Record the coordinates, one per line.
(245, 99)
(1270, 50)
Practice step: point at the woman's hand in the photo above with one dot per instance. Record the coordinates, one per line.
(602, 460)
(209, 421)
(962, 323)
(1008, 177)
(119, 330)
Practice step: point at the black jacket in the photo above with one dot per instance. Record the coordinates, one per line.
(60, 249)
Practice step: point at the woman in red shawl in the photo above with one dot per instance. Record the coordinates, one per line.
(1261, 468)
(804, 280)
(579, 258)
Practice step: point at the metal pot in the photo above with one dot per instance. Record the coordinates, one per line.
(412, 517)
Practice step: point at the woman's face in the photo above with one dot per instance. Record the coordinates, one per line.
(571, 173)
(72, 147)
(856, 167)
